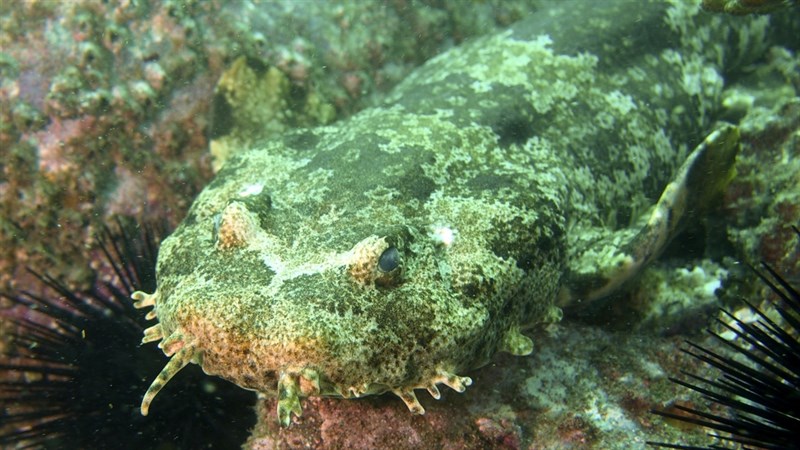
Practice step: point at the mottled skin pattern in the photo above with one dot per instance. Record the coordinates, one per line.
(405, 246)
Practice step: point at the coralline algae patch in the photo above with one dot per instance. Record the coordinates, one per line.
(764, 199)
(671, 297)
(680, 295)
(742, 7)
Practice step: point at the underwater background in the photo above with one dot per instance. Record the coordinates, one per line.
(106, 113)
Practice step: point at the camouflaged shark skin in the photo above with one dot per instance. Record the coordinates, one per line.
(400, 248)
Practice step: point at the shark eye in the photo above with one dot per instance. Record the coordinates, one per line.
(376, 262)
(389, 260)
(390, 268)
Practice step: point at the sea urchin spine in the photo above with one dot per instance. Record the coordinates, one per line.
(759, 381)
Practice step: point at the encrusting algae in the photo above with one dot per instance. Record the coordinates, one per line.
(405, 246)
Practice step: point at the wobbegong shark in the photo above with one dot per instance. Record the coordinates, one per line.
(400, 248)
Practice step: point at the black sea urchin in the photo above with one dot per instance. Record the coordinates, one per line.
(75, 371)
(759, 377)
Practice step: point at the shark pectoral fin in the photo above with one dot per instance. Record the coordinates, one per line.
(516, 343)
(614, 257)
(288, 397)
